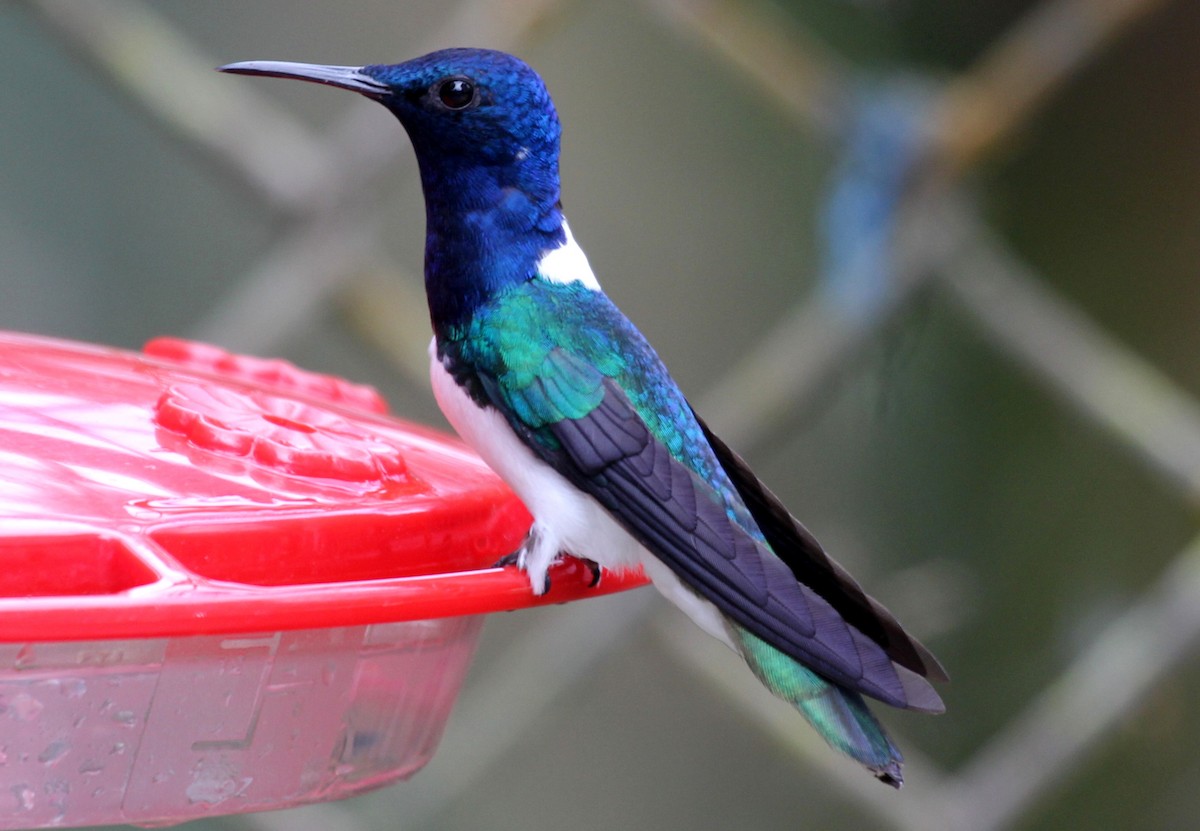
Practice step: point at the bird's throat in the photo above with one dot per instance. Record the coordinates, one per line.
(486, 229)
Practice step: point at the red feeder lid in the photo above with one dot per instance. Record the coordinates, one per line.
(191, 491)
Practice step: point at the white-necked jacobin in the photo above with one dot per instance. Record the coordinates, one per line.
(553, 386)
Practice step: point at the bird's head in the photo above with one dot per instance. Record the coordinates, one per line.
(486, 137)
(461, 107)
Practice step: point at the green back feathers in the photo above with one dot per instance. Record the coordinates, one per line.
(549, 347)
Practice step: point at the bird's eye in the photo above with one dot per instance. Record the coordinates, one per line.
(456, 93)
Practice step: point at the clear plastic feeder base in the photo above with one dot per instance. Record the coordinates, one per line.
(164, 730)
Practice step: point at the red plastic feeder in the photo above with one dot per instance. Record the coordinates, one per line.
(230, 585)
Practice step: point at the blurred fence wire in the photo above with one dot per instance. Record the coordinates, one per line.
(934, 240)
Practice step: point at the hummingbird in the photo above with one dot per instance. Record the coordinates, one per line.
(565, 399)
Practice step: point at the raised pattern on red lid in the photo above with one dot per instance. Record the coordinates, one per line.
(272, 373)
(281, 434)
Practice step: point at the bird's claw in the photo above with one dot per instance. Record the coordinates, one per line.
(514, 559)
(517, 558)
(595, 569)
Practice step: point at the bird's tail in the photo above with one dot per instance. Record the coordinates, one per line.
(839, 715)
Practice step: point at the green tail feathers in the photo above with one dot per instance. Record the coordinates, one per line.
(840, 716)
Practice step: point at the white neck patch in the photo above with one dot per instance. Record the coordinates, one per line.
(567, 264)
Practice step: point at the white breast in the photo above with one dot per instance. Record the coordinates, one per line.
(569, 520)
(575, 521)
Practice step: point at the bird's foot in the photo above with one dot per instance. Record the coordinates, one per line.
(517, 559)
(595, 570)
(536, 555)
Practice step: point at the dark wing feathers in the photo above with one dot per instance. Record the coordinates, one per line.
(804, 604)
(808, 561)
(612, 455)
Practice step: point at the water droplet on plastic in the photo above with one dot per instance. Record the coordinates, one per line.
(73, 688)
(53, 752)
(125, 717)
(25, 657)
(214, 782)
(24, 795)
(90, 767)
(24, 707)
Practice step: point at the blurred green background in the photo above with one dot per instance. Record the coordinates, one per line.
(1021, 527)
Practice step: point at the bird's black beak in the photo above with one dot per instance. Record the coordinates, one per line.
(346, 77)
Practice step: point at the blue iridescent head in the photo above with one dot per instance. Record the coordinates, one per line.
(485, 105)
(461, 107)
(486, 136)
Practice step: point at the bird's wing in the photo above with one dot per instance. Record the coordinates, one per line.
(811, 565)
(584, 424)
